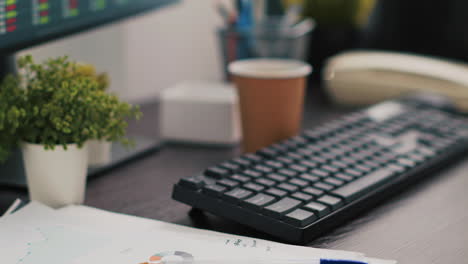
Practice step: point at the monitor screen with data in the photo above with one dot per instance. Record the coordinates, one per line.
(24, 23)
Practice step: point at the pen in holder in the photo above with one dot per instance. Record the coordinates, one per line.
(273, 38)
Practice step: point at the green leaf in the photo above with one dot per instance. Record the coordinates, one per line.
(59, 102)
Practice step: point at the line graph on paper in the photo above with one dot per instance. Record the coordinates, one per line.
(50, 244)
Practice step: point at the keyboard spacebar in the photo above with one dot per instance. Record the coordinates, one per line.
(354, 189)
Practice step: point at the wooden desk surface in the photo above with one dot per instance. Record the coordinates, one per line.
(427, 223)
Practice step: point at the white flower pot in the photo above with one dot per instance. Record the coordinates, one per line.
(56, 177)
(99, 152)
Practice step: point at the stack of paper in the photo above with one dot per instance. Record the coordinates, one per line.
(83, 235)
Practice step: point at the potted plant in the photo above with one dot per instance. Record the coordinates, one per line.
(55, 111)
(99, 151)
(339, 24)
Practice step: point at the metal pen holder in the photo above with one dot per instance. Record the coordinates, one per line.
(271, 38)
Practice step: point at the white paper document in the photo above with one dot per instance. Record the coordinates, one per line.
(84, 235)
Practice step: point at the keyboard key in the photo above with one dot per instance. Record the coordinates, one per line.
(320, 173)
(306, 152)
(333, 202)
(330, 169)
(396, 168)
(353, 173)
(302, 196)
(259, 200)
(338, 151)
(311, 134)
(406, 162)
(274, 164)
(347, 149)
(299, 140)
(324, 145)
(416, 157)
(263, 169)
(354, 189)
(254, 187)
(339, 164)
(308, 164)
(232, 167)
(358, 156)
(295, 142)
(214, 190)
(315, 148)
(334, 181)
(361, 168)
(265, 182)
(427, 152)
(308, 177)
(276, 192)
(252, 157)
(298, 182)
(381, 159)
(279, 147)
(347, 161)
(313, 191)
(370, 164)
(282, 207)
(344, 177)
(318, 159)
(294, 156)
(318, 208)
(286, 172)
(323, 186)
(237, 194)
(300, 217)
(268, 152)
(227, 183)
(192, 182)
(388, 156)
(251, 173)
(216, 172)
(287, 187)
(284, 161)
(298, 168)
(240, 178)
(242, 162)
(277, 177)
(328, 155)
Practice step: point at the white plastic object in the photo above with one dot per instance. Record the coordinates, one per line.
(367, 77)
(200, 112)
(56, 177)
(99, 152)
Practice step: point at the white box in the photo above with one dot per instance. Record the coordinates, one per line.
(200, 112)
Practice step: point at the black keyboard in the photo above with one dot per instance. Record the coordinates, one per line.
(300, 188)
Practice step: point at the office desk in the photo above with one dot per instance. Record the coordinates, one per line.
(428, 223)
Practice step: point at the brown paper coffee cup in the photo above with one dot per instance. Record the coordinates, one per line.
(271, 95)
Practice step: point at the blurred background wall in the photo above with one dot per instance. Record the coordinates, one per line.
(148, 53)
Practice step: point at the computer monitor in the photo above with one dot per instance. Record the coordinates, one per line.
(26, 23)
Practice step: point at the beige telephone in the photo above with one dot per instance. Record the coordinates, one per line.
(357, 77)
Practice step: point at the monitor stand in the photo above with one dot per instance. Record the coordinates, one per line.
(12, 172)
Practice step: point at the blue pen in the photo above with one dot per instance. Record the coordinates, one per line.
(277, 261)
(336, 261)
(245, 15)
(244, 24)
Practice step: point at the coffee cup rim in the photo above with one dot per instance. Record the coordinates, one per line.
(270, 68)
